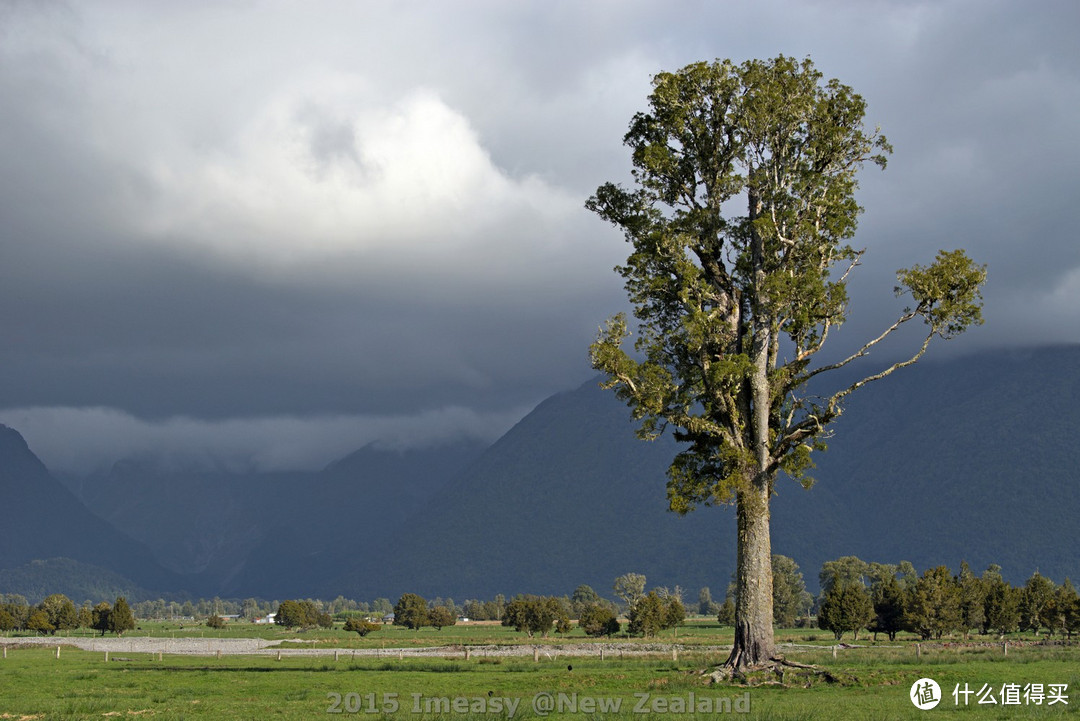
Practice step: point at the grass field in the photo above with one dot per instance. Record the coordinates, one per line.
(874, 681)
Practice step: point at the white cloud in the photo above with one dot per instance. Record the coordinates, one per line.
(319, 176)
(80, 440)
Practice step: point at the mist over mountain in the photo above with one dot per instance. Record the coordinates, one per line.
(969, 458)
(42, 519)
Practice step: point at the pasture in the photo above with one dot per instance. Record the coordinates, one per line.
(318, 676)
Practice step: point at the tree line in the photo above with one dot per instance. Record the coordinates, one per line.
(887, 598)
(855, 596)
(59, 613)
(647, 613)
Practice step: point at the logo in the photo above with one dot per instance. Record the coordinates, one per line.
(925, 694)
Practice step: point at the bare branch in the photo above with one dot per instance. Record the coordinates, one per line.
(877, 376)
(865, 349)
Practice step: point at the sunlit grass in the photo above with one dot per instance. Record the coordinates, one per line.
(873, 678)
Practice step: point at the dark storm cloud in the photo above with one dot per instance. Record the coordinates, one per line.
(236, 221)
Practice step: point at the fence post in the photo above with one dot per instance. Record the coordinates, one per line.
(918, 650)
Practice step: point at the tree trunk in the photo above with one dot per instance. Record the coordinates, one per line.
(753, 584)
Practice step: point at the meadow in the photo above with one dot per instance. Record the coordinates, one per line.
(871, 681)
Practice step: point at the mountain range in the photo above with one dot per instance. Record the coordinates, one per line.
(970, 458)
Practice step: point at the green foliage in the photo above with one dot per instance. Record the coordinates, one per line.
(773, 132)
(972, 598)
(86, 616)
(598, 619)
(706, 606)
(39, 621)
(360, 625)
(843, 571)
(946, 293)
(933, 608)
(646, 617)
(653, 613)
(1036, 603)
(484, 610)
(845, 607)
(16, 608)
(629, 587)
(63, 615)
(583, 597)
(887, 598)
(726, 615)
(215, 621)
(100, 617)
(121, 617)
(1060, 608)
(1067, 603)
(439, 616)
(1001, 603)
(411, 611)
(302, 614)
(536, 614)
(674, 611)
(790, 598)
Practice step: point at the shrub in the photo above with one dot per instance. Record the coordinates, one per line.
(597, 619)
(360, 625)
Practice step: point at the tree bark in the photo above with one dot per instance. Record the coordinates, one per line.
(754, 644)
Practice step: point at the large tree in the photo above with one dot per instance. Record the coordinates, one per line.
(411, 611)
(846, 607)
(121, 618)
(733, 307)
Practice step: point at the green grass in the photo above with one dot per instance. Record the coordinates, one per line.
(874, 682)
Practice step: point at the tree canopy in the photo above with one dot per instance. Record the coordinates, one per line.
(121, 618)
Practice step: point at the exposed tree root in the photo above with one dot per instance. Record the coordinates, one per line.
(777, 670)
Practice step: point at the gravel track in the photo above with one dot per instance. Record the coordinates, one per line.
(262, 647)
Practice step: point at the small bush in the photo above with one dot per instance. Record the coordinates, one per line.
(361, 626)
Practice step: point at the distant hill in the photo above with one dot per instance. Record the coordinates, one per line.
(78, 581)
(42, 519)
(973, 458)
(969, 458)
(568, 496)
(269, 534)
(342, 514)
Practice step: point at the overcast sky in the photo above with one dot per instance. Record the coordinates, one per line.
(274, 232)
